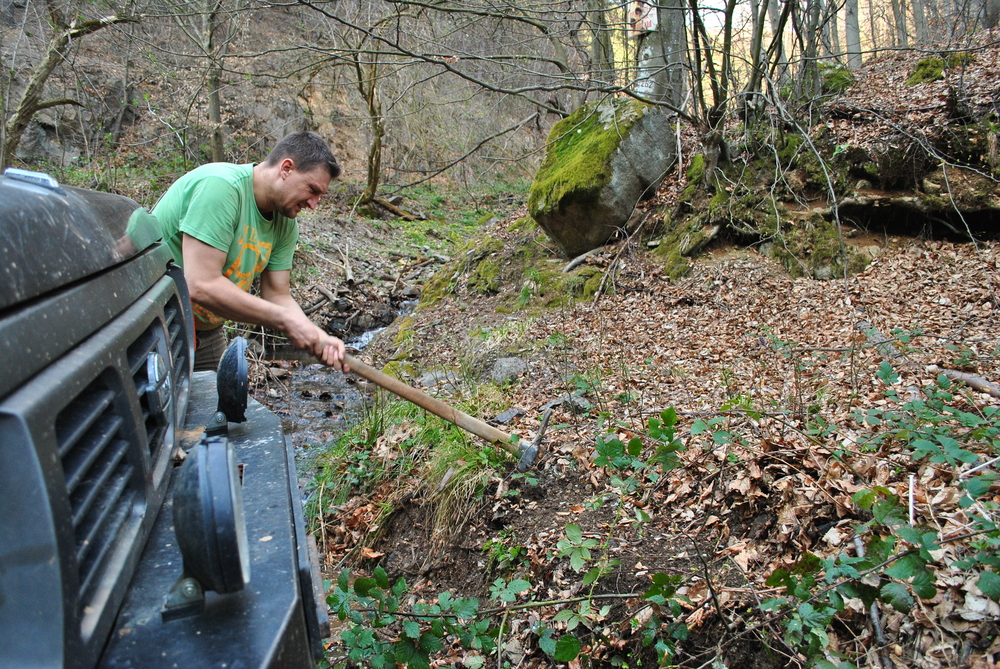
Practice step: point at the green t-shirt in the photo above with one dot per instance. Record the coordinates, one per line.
(214, 204)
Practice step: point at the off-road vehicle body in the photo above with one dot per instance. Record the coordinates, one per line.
(97, 405)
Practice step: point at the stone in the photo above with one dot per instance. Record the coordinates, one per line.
(507, 369)
(601, 161)
(575, 403)
(439, 376)
(507, 416)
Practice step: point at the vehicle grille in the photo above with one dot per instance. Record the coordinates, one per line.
(137, 354)
(92, 445)
(178, 337)
(148, 342)
(94, 432)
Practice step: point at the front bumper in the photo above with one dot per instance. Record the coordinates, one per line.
(270, 623)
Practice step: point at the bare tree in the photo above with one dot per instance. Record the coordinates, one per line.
(211, 26)
(68, 24)
(852, 34)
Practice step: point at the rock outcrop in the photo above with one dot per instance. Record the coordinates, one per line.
(601, 161)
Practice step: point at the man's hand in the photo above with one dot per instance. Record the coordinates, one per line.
(275, 308)
(300, 330)
(308, 336)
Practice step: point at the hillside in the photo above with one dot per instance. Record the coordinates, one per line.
(812, 417)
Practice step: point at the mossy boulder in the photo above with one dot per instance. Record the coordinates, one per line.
(601, 161)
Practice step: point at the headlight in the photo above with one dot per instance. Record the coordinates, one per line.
(208, 517)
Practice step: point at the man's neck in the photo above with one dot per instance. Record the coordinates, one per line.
(262, 190)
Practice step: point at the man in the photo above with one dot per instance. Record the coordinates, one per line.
(228, 224)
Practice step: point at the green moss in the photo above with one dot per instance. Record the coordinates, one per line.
(592, 285)
(486, 277)
(812, 248)
(695, 176)
(577, 162)
(524, 224)
(836, 78)
(790, 148)
(928, 69)
(958, 59)
(437, 287)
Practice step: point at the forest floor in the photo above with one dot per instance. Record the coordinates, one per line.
(771, 378)
(812, 417)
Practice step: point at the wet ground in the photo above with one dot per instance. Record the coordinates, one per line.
(316, 404)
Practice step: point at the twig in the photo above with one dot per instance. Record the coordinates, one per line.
(873, 611)
(973, 381)
(978, 467)
(348, 275)
(912, 478)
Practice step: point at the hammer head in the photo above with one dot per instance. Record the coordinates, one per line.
(528, 454)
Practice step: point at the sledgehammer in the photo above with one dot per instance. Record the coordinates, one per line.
(526, 454)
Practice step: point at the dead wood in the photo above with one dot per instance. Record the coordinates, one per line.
(346, 261)
(972, 380)
(394, 209)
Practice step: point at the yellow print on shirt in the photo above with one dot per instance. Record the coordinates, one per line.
(250, 261)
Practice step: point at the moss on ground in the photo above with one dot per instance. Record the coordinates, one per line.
(578, 158)
(812, 248)
(927, 70)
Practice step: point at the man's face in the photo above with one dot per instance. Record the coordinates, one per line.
(300, 189)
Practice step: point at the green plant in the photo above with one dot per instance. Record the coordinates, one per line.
(372, 607)
(575, 547)
(895, 567)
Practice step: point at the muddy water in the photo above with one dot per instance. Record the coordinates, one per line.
(316, 405)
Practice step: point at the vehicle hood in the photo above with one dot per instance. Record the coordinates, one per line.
(51, 236)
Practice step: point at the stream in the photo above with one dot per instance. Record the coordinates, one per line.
(316, 403)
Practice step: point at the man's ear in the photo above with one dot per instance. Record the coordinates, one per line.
(286, 167)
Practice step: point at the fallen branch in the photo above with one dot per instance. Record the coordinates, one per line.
(577, 261)
(394, 209)
(973, 381)
(348, 275)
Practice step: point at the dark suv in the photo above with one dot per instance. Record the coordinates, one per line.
(98, 404)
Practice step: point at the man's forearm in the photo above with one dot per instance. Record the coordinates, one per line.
(226, 299)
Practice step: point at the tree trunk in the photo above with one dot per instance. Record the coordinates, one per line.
(368, 87)
(31, 99)
(991, 13)
(832, 21)
(602, 54)
(899, 22)
(661, 56)
(852, 34)
(871, 25)
(920, 21)
(809, 75)
(774, 16)
(210, 22)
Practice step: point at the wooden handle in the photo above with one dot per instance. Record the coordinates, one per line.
(435, 406)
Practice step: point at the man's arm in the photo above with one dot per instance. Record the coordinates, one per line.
(275, 288)
(276, 309)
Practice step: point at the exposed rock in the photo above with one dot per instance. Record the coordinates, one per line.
(601, 161)
(507, 416)
(574, 403)
(507, 369)
(438, 377)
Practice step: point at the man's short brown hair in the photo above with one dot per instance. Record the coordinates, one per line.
(307, 149)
